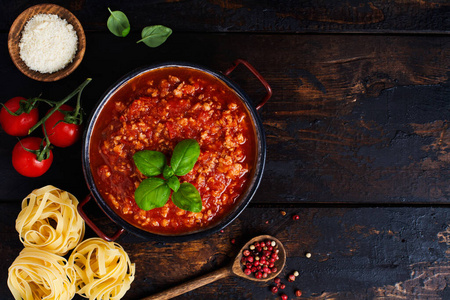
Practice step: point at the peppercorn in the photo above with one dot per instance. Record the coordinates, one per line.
(282, 286)
(298, 293)
(308, 255)
(277, 280)
(295, 217)
(283, 213)
(274, 289)
(291, 278)
(260, 257)
(284, 296)
(296, 273)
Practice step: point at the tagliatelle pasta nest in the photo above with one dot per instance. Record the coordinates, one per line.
(38, 274)
(49, 221)
(103, 269)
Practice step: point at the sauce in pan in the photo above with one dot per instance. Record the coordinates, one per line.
(155, 111)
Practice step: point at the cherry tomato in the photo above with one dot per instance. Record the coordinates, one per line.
(27, 163)
(63, 134)
(17, 125)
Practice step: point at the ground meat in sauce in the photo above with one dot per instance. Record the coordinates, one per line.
(171, 108)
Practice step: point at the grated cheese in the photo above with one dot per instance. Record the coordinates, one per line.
(48, 43)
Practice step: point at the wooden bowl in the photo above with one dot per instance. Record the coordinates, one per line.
(15, 34)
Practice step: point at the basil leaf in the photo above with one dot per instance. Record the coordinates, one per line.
(155, 35)
(150, 163)
(152, 193)
(118, 23)
(187, 198)
(184, 157)
(173, 183)
(167, 172)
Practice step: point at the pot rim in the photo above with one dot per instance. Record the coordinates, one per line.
(244, 199)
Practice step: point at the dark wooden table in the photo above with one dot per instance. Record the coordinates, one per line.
(357, 130)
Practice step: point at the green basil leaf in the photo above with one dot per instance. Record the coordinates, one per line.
(173, 183)
(184, 157)
(118, 23)
(155, 35)
(187, 198)
(167, 172)
(152, 193)
(150, 163)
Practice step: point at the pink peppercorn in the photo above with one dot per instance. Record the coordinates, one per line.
(274, 289)
(284, 296)
(298, 293)
(295, 217)
(247, 271)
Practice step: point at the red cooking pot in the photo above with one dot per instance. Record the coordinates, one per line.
(240, 203)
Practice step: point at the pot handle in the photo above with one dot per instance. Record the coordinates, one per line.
(256, 73)
(93, 226)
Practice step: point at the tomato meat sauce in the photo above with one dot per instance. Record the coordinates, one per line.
(155, 111)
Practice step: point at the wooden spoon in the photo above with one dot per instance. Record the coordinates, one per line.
(234, 269)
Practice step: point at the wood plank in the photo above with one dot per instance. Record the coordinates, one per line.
(389, 253)
(354, 119)
(289, 16)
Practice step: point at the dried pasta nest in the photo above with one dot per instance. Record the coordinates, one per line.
(103, 269)
(49, 221)
(38, 274)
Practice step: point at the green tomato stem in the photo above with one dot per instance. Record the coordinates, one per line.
(78, 91)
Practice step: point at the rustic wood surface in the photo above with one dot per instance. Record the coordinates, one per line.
(358, 140)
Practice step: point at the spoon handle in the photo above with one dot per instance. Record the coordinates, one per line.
(191, 285)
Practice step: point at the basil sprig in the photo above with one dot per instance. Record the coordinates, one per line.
(118, 23)
(154, 192)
